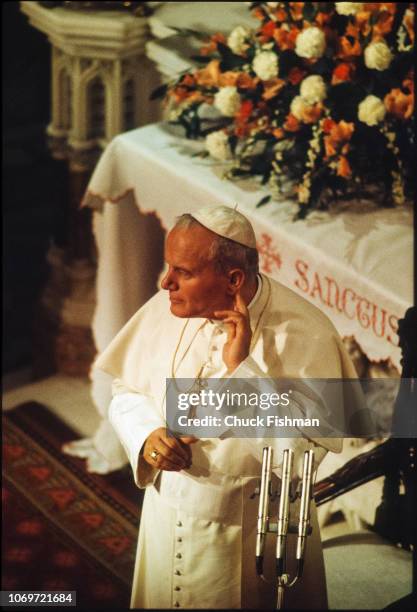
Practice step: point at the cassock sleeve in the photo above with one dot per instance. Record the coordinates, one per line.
(134, 416)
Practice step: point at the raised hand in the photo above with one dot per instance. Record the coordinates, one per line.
(239, 333)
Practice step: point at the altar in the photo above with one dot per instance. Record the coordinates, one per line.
(355, 264)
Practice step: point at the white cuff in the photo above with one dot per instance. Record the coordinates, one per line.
(134, 417)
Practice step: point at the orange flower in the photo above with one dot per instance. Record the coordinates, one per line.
(296, 9)
(278, 133)
(286, 40)
(328, 125)
(188, 80)
(272, 88)
(267, 31)
(291, 124)
(343, 167)
(242, 125)
(209, 76)
(362, 22)
(343, 72)
(211, 47)
(245, 110)
(348, 49)
(244, 81)
(228, 78)
(382, 12)
(352, 30)
(323, 18)
(237, 79)
(383, 26)
(179, 94)
(342, 131)
(296, 75)
(196, 96)
(258, 13)
(338, 135)
(399, 104)
(280, 15)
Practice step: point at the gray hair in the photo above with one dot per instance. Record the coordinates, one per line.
(225, 253)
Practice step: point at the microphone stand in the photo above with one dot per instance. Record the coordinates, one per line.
(283, 527)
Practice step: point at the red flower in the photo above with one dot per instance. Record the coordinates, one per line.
(399, 104)
(328, 125)
(211, 47)
(343, 167)
(284, 39)
(267, 30)
(338, 135)
(291, 123)
(242, 125)
(245, 110)
(343, 72)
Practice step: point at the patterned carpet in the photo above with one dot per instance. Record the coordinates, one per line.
(64, 529)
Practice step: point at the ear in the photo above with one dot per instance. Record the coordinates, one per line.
(236, 279)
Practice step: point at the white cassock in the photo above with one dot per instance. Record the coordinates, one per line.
(196, 546)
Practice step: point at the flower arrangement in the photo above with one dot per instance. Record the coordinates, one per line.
(317, 101)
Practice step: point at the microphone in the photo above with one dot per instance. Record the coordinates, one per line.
(304, 518)
(284, 510)
(263, 517)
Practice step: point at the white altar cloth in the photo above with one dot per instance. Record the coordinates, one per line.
(355, 265)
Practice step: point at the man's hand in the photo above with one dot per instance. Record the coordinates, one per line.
(239, 333)
(166, 452)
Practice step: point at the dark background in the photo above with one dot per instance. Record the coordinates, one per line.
(34, 185)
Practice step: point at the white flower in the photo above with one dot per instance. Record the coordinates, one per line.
(313, 89)
(272, 5)
(237, 39)
(265, 65)
(371, 110)
(310, 43)
(378, 56)
(217, 144)
(348, 8)
(227, 101)
(298, 106)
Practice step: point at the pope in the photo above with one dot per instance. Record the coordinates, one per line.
(217, 317)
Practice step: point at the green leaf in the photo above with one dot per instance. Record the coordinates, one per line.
(159, 92)
(201, 59)
(263, 201)
(229, 59)
(309, 11)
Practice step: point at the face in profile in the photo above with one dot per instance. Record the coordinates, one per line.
(196, 288)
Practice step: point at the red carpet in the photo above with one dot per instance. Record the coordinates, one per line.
(64, 529)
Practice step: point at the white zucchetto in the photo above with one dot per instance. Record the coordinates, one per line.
(227, 222)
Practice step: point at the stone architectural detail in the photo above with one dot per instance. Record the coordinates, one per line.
(100, 85)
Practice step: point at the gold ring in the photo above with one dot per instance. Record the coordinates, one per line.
(154, 454)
